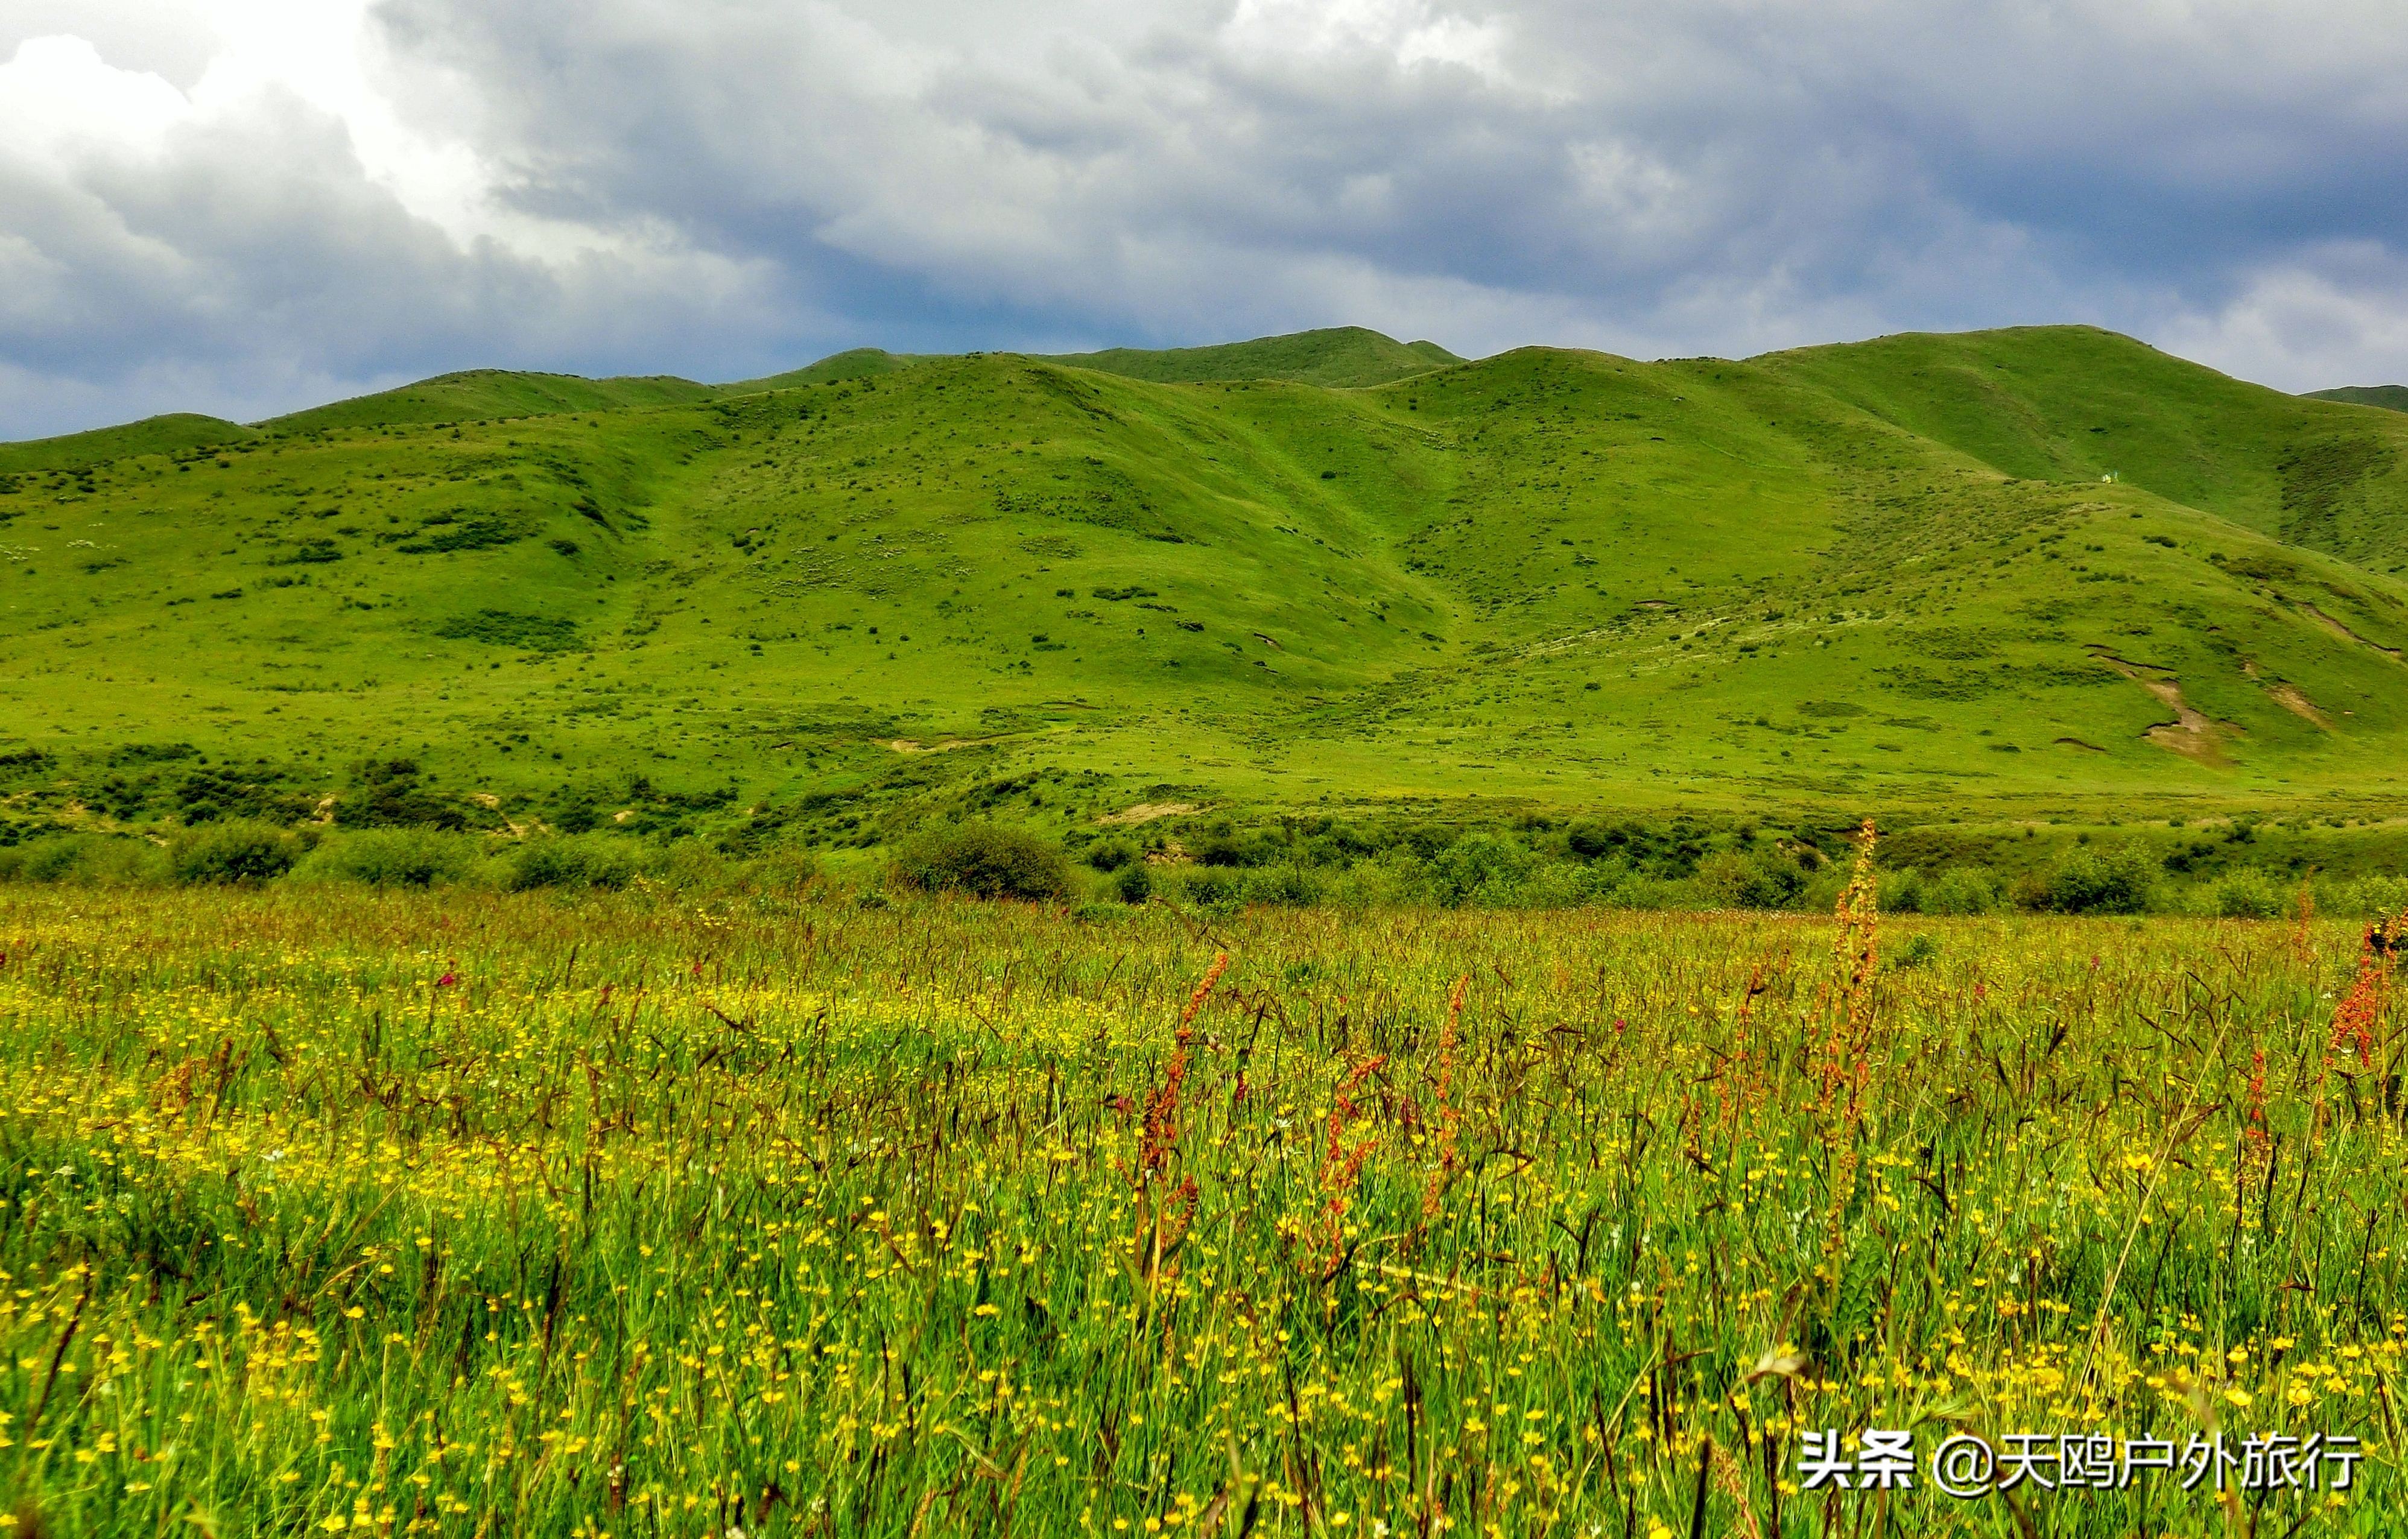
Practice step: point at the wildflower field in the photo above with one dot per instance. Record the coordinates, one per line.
(501, 1213)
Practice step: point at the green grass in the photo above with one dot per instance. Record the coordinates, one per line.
(1883, 578)
(474, 1215)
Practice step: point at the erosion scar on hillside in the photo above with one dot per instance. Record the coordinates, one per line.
(2192, 732)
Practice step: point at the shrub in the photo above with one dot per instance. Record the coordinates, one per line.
(691, 866)
(785, 868)
(1900, 892)
(234, 850)
(396, 857)
(1591, 840)
(574, 860)
(1110, 854)
(1210, 888)
(390, 796)
(1960, 890)
(2028, 892)
(1290, 886)
(1217, 846)
(83, 858)
(2373, 897)
(1480, 868)
(983, 861)
(2114, 881)
(1757, 880)
(1134, 882)
(500, 628)
(2248, 893)
(57, 859)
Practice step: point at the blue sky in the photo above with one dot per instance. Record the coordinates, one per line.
(246, 205)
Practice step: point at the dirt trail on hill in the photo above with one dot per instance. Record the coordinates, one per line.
(2343, 632)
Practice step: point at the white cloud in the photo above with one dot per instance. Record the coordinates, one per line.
(2337, 317)
(59, 99)
(272, 233)
(1404, 31)
(243, 198)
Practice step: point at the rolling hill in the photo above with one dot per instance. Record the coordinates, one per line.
(2037, 572)
(486, 394)
(2391, 397)
(176, 434)
(1343, 357)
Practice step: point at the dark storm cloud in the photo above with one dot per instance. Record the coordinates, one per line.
(728, 188)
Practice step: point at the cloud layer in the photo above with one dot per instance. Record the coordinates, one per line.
(243, 205)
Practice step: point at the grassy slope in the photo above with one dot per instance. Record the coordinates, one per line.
(1807, 580)
(2389, 397)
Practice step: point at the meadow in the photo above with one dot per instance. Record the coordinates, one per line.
(327, 1210)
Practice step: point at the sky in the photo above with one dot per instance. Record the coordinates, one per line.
(244, 206)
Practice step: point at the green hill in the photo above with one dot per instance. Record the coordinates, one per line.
(2072, 403)
(858, 363)
(2389, 397)
(489, 395)
(1341, 358)
(177, 433)
(1888, 575)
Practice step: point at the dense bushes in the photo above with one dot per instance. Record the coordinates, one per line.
(574, 860)
(2091, 881)
(1956, 890)
(394, 857)
(84, 858)
(1134, 883)
(983, 861)
(2249, 894)
(1531, 862)
(1750, 879)
(236, 849)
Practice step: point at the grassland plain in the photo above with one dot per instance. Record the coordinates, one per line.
(478, 1214)
(1989, 579)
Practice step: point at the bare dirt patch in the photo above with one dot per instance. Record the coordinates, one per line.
(1145, 812)
(2289, 697)
(2192, 732)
